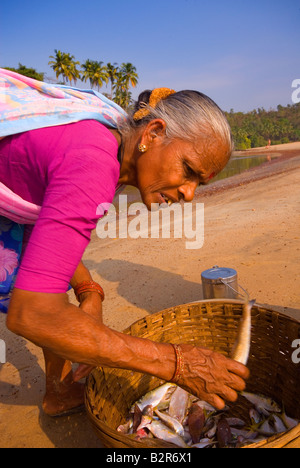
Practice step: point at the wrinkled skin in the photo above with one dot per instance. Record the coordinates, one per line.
(211, 376)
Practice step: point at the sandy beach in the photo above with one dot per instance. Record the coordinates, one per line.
(252, 224)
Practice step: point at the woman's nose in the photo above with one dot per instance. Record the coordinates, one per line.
(188, 191)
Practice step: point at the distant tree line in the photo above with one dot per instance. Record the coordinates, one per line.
(30, 72)
(66, 68)
(258, 127)
(250, 130)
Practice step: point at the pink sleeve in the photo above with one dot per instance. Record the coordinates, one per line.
(85, 178)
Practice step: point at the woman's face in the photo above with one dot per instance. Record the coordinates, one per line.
(172, 172)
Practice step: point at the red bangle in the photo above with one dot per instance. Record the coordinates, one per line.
(179, 364)
(88, 286)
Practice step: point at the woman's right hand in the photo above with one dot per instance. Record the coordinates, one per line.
(211, 376)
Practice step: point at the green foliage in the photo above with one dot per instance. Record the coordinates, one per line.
(257, 127)
(64, 65)
(30, 72)
(95, 72)
(120, 78)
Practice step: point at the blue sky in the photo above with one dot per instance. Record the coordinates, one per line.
(242, 53)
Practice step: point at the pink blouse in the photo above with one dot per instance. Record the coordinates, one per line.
(69, 170)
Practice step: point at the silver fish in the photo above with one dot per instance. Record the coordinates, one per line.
(161, 431)
(264, 405)
(278, 424)
(289, 423)
(266, 428)
(154, 397)
(205, 406)
(255, 416)
(235, 422)
(241, 349)
(172, 423)
(204, 443)
(246, 434)
(211, 427)
(178, 404)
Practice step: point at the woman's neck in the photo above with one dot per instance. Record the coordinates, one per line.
(127, 148)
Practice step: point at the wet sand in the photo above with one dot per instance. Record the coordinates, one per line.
(252, 224)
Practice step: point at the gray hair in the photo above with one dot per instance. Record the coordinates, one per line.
(189, 115)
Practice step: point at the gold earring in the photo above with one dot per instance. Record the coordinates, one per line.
(142, 148)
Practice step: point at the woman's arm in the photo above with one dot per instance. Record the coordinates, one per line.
(50, 321)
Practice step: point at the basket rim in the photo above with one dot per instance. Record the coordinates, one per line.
(266, 307)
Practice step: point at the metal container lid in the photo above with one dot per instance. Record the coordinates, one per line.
(217, 275)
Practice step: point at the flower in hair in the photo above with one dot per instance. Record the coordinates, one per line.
(156, 96)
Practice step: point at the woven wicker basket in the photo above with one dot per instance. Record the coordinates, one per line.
(212, 324)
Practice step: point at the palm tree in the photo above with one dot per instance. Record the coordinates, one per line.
(112, 71)
(64, 64)
(130, 75)
(119, 87)
(87, 71)
(95, 72)
(73, 72)
(100, 74)
(59, 64)
(126, 76)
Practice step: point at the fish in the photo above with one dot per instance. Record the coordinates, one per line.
(127, 427)
(154, 397)
(172, 423)
(241, 349)
(178, 404)
(266, 428)
(255, 416)
(161, 431)
(263, 405)
(200, 424)
(224, 434)
(289, 423)
(211, 427)
(196, 422)
(204, 443)
(141, 434)
(235, 422)
(244, 433)
(137, 417)
(206, 406)
(278, 424)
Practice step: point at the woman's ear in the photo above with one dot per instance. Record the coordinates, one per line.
(154, 129)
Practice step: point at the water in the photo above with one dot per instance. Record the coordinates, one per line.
(235, 166)
(240, 164)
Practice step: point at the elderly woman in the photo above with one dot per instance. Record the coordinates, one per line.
(64, 169)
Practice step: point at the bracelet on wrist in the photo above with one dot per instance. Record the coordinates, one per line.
(88, 286)
(179, 364)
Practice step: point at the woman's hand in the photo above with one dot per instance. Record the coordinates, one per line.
(211, 376)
